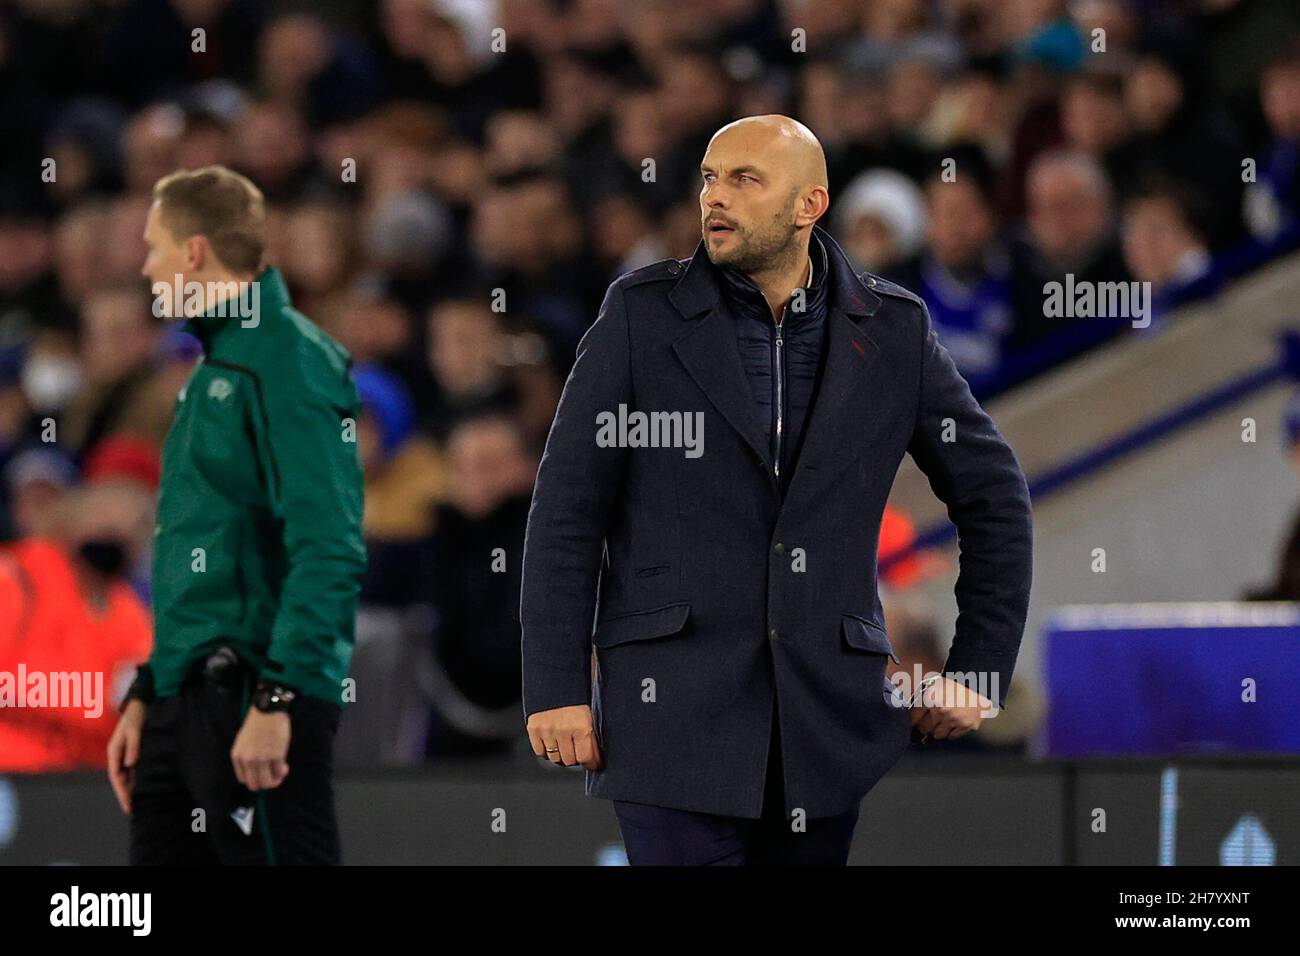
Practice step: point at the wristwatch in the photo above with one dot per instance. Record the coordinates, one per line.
(272, 698)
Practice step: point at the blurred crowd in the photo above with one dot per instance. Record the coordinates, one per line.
(452, 184)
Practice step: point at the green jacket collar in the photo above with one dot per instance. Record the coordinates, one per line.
(266, 298)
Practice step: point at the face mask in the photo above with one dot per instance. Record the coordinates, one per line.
(49, 382)
(105, 555)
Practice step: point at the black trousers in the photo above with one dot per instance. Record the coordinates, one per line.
(663, 836)
(184, 767)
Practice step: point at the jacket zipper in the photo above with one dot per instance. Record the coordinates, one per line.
(780, 396)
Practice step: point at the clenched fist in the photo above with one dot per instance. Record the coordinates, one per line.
(261, 750)
(948, 709)
(566, 736)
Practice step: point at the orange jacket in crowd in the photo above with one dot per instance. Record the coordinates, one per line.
(897, 533)
(48, 632)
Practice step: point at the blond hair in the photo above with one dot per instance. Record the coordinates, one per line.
(219, 204)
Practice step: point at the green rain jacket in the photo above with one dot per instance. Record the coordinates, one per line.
(258, 544)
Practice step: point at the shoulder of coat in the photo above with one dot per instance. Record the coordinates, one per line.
(297, 354)
(655, 272)
(882, 286)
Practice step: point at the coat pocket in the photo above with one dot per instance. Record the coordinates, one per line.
(866, 635)
(641, 625)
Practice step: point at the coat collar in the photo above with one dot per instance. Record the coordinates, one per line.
(698, 288)
(747, 299)
(272, 295)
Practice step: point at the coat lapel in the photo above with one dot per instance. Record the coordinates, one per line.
(708, 352)
(851, 355)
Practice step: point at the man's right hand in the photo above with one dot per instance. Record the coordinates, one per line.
(566, 736)
(124, 751)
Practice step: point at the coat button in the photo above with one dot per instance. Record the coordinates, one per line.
(772, 635)
(779, 548)
(871, 281)
(674, 267)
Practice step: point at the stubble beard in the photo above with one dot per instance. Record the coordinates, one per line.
(762, 249)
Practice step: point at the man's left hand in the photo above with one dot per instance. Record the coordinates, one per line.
(261, 750)
(948, 710)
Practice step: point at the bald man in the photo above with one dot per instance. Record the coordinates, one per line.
(701, 626)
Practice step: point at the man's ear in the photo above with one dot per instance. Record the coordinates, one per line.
(196, 252)
(822, 200)
(814, 205)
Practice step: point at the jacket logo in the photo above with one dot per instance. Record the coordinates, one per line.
(220, 389)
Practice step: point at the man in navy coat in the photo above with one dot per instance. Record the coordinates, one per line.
(706, 516)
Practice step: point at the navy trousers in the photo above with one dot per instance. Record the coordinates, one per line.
(663, 836)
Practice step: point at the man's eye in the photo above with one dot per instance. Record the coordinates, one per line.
(744, 178)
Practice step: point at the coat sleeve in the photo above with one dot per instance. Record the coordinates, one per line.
(976, 475)
(573, 500)
(312, 466)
